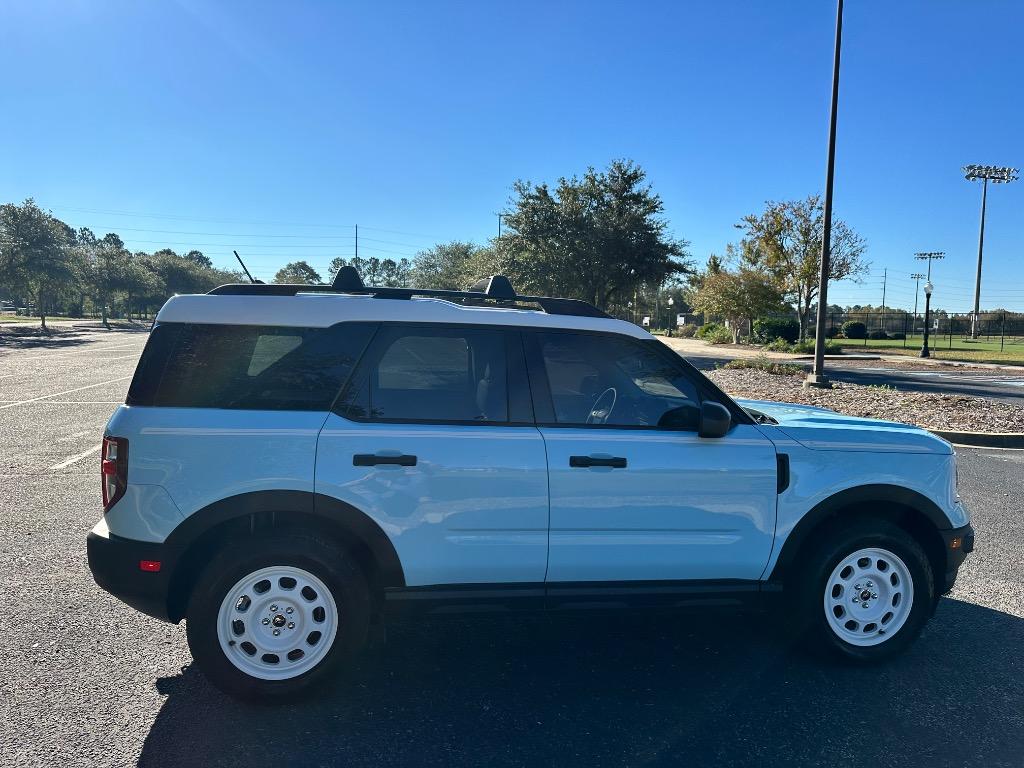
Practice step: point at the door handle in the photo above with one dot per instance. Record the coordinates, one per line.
(373, 459)
(616, 462)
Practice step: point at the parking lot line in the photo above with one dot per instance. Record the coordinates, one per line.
(73, 459)
(65, 392)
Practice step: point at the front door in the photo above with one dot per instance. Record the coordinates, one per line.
(433, 439)
(634, 502)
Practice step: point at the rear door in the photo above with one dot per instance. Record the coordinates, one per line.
(631, 501)
(434, 439)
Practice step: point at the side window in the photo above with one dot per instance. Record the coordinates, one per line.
(613, 380)
(432, 374)
(247, 367)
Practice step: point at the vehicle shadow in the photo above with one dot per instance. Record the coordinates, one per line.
(700, 690)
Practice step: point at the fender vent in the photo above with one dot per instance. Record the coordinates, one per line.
(782, 475)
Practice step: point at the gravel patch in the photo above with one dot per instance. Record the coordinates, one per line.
(951, 412)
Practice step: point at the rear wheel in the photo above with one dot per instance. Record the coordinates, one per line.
(273, 616)
(866, 591)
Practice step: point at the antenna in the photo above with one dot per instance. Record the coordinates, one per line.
(244, 268)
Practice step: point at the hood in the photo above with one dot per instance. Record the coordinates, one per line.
(823, 430)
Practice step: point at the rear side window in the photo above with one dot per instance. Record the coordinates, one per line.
(432, 374)
(247, 367)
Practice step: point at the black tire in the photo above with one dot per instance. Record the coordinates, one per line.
(824, 556)
(331, 564)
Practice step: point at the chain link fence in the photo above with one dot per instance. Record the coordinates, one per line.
(951, 330)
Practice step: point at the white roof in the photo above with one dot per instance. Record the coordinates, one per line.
(320, 310)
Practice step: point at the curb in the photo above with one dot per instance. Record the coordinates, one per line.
(982, 439)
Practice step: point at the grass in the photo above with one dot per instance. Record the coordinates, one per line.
(764, 363)
(962, 350)
(18, 319)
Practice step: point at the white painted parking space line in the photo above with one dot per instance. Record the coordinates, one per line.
(73, 436)
(68, 352)
(65, 392)
(73, 459)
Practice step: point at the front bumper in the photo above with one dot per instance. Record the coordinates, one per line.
(114, 562)
(959, 542)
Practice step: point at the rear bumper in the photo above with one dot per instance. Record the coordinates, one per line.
(959, 542)
(114, 562)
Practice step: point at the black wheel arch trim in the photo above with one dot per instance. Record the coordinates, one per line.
(272, 503)
(858, 496)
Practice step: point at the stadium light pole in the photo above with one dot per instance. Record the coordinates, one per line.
(817, 378)
(997, 175)
(917, 277)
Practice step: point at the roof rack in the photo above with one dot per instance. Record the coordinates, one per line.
(493, 291)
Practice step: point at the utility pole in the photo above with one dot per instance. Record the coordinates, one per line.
(817, 376)
(357, 241)
(499, 226)
(997, 175)
(881, 310)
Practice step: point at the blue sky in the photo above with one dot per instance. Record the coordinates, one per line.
(274, 127)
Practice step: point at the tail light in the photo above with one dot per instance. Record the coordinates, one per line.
(113, 470)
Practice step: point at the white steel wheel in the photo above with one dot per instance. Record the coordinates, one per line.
(868, 597)
(277, 623)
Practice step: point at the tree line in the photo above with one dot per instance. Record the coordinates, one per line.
(601, 237)
(48, 265)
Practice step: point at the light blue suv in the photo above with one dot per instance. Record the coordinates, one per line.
(296, 463)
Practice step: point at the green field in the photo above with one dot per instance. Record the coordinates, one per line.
(942, 348)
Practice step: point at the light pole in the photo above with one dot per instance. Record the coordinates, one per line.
(928, 256)
(817, 377)
(927, 317)
(997, 175)
(917, 277)
(671, 303)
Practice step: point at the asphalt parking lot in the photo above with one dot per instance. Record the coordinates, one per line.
(90, 682)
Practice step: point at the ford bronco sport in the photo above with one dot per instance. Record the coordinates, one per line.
(294, 463)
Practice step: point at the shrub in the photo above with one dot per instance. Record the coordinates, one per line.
(719, 335)
(878, 335)
(766, 364)
(806, 347)
(707, 329)
(832, 332)
(767, 329)
(854, 329)
(687, 331)
(778, 345)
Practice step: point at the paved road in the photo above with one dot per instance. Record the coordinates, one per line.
(996, 384)
(89, 682)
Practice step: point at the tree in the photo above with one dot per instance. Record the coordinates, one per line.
(449, 266)
(197, 258)
(374, 271)
(297, 272)
(106, 259)
(785, 241)
(737, 295)
(35, 253)
(598, 238)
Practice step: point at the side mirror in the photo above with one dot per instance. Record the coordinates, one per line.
(685, 418)
(715, 419)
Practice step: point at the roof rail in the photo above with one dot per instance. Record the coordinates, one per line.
(493, 291)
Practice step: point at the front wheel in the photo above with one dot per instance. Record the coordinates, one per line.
(272, 616)
(866, 592)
